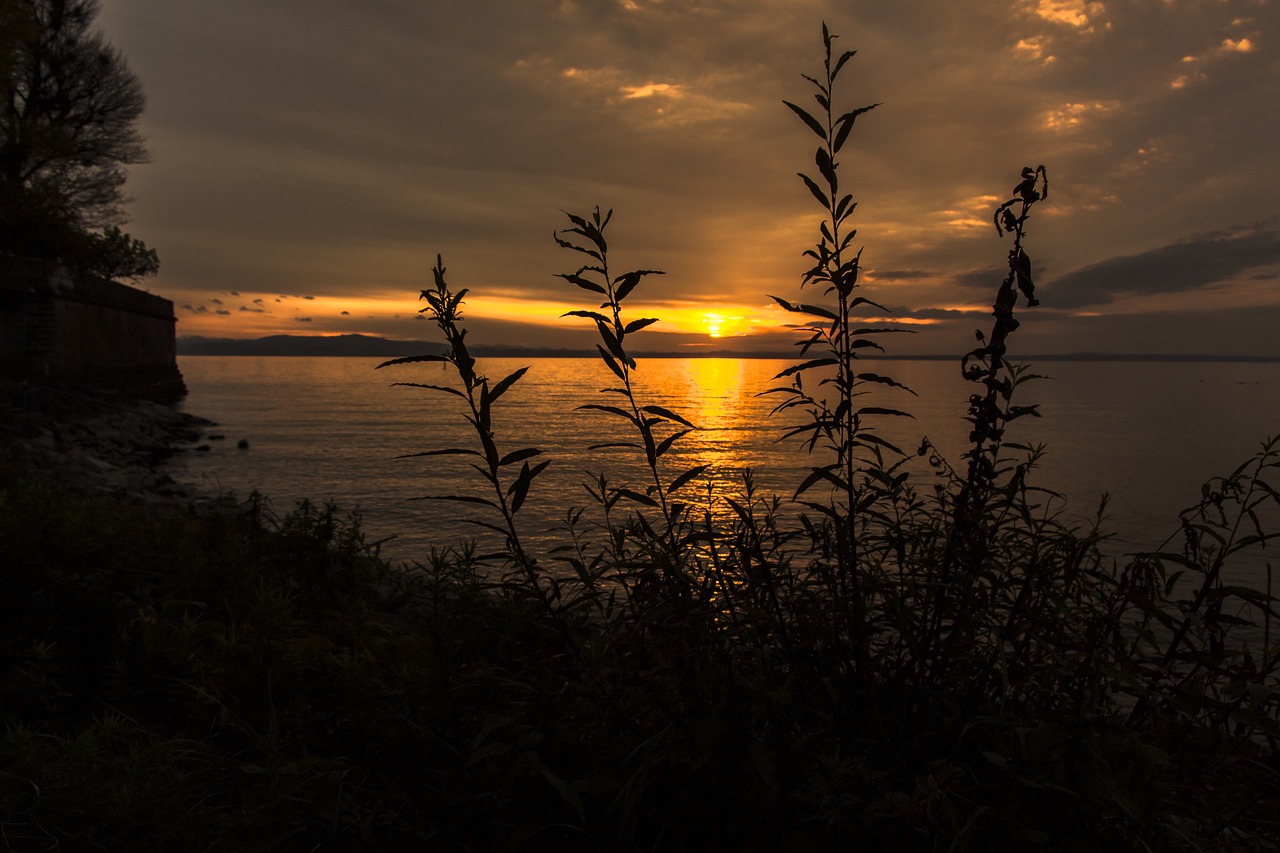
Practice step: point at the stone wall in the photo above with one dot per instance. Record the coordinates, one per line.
(61, 327)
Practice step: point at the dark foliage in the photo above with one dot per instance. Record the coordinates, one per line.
(67, 131)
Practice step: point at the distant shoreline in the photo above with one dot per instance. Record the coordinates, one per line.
(365, 346)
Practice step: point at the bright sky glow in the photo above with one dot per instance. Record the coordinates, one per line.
(332, 151)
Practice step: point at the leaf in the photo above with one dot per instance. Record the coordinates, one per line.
(742, 513)
(501, 387)
(637, 497)
(826, 472)
(520, 488)
(824, 509)
(453, 391)
(812, 122)
(585, 284)
(845, 126)
(629, 281)
(637, 325)
(842, 135)
(862, 300)
(817, 362)
(826, 167)
(845, 207)
(686, 477)
(519, 456)
(668, 414)
(412, 359)
(881, 380)
(798, 308)
(613, 410)
(867, 439)
(613, 365)
(813, 188)
(482, 558)
(627, 444)
(611, 340)
(485, 472)
(665, 444)
(877, 410)
(593, 315)
(452, 451)
(466, 499)
(853, 114)
(817, 311)
(845, 57)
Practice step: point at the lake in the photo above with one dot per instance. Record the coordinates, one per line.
(1150, 433)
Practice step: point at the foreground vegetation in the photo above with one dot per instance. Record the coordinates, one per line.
(915, 662)
(238, 681)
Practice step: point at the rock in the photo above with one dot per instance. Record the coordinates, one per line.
(243, 444)
(94, 443)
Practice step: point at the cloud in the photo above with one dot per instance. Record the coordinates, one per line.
(1194, 264)
(940, 313)
(253, 310)
(223, 312)
(898, 275)
(302, 319)
(1075, 116)
(1077, 14)
(638, 98)
(988, 278)
(1242, 45)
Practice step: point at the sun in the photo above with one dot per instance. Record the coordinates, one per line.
(722, 325)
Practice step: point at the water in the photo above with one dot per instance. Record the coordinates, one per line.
(1150, 433)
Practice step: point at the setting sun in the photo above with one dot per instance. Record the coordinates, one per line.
(718, 325)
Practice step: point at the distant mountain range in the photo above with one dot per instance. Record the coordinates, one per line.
(356, 345)
(369, 346)
(374, 347)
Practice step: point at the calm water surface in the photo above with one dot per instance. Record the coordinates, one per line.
(330, 429)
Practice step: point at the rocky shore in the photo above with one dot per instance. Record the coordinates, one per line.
(96, 443)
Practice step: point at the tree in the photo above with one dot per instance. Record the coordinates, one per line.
(67, 131)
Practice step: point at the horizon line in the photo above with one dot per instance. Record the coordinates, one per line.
(396, 347)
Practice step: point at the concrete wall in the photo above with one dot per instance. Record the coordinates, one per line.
(61, 327)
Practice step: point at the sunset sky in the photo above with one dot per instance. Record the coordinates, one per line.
(311, 157)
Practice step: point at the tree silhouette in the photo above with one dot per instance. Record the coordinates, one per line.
(67, 132)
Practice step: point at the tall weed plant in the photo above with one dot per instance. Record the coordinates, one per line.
(936, 659)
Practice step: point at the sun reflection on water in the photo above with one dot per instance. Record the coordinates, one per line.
(720, 396)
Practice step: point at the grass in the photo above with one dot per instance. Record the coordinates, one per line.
(933, 662)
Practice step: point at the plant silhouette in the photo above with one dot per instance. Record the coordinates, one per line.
(890, 654)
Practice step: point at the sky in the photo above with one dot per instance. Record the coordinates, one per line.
(310, 159)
